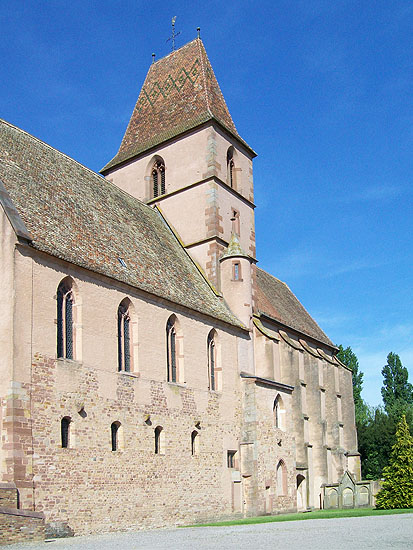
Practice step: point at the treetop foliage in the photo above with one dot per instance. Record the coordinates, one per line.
(397, 392)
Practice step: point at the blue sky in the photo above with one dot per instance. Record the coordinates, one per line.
(321, 89)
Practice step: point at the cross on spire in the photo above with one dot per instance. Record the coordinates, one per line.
(174, 34)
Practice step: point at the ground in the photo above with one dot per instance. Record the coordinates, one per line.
(378, 532)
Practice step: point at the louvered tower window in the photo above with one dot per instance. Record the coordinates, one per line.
(65, 303)
(171, 351)
(211, 362)
(124, 337)
(158, 178)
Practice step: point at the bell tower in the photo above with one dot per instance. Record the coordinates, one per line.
(181, 152)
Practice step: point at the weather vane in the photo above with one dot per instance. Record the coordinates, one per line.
(174, 34)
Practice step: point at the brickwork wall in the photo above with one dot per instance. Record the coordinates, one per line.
(322, 411)
(20, 526)
(86, 485)
(274, 444)
(8, 495)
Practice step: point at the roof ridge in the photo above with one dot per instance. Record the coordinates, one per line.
(301, 305)
(174, 51)
(273, 276)
(71, 159)
(204, 78)
(2, 120)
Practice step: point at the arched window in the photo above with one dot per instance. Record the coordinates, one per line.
(171, 350)
(65, 303)
(124, 336)
(230, 167)
(114, 432)
(159, 440)
(195, 442)
(281, 478)
(158, 178)
(65, 431)
(212, 361)
(279, 413)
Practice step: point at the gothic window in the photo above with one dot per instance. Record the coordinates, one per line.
(212, 362)
(65, 303)
(159, 441)
(114, 432)
(124, 336)
(65, 431)
(281, 478)
(230, 167)
(279, 413)
(171, 350)
(158, 178)
(195, 443)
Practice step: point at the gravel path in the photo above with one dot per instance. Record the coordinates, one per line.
(378, 532)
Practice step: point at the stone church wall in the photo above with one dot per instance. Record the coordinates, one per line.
(88, 487)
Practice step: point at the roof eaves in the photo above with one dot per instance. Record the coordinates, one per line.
(13, 216)
(298, 331)
(123, 158)
(125, 282)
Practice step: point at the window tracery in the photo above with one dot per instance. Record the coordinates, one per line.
(65, 303)
(158, 178)
(124, 337)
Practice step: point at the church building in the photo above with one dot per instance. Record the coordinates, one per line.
(151, 374)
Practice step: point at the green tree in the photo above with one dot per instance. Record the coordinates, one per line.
(375, 439)
(397, 392)
(397, 489)
(349, 358)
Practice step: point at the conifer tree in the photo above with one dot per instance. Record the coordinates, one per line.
(397, 490)
(397, 392)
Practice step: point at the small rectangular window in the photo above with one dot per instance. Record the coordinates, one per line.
(236, 271)
(231, 459)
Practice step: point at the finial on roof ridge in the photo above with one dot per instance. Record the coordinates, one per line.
(198, 30)
(153, 58)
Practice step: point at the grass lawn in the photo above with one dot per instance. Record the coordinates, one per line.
(317, 514)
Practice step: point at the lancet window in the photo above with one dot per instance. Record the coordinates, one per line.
(212, 362)
(124, 337)
(65, 303)
(158, 178)
(171, 350)
(65, 431)
(230, 167)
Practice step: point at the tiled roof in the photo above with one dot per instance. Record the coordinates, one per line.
(180, 92)
(74, 214)
(276, 300)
